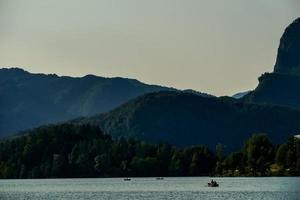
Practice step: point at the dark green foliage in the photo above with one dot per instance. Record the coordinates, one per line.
(52, 151)
(258, 153)
(287, 157)
(281, 155)
(259, 157)
(69, 150)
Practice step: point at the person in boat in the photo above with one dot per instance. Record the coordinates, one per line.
(213, 183)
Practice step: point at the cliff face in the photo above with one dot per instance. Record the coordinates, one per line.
(282, 87)
(288, 56)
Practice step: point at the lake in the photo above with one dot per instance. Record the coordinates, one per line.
(191, 188)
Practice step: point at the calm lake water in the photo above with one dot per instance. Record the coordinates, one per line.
(151, 189)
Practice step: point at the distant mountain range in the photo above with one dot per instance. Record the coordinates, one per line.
(156, 113)
(29, 100)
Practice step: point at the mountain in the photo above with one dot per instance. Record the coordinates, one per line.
(185, 119)
(29, 100)
(163, 114)
(288, 56)
(282, 86)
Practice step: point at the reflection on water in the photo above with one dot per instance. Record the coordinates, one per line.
(149, 188)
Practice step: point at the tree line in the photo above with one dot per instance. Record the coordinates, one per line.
(68, 150)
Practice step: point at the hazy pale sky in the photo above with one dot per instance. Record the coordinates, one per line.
(215, 46)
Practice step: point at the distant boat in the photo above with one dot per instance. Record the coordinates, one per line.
(159, 178)
(127, 179)
(213, 184)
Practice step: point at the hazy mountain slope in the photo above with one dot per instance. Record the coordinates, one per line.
(28, 100)
(185, 119)
(240, 95)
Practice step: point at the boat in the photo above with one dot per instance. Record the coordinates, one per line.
(159, 178)
(127, 179)
(213, 184)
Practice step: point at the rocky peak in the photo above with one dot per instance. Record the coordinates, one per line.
(288, 56)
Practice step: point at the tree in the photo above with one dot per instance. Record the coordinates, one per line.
(58, 166)
(195, 165)
(281, 155)
(220, 151)
(102, 164)
(176, 167)
(258, 152)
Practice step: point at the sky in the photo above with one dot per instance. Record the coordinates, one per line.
(215, 46)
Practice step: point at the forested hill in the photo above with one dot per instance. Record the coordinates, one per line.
(186, 119)
(29, 100)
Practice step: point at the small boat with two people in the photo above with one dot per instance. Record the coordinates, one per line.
(213, 184)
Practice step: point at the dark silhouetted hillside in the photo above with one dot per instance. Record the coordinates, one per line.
(28, 100)
(186, 119)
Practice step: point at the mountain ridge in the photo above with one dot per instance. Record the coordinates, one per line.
(32, 99)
